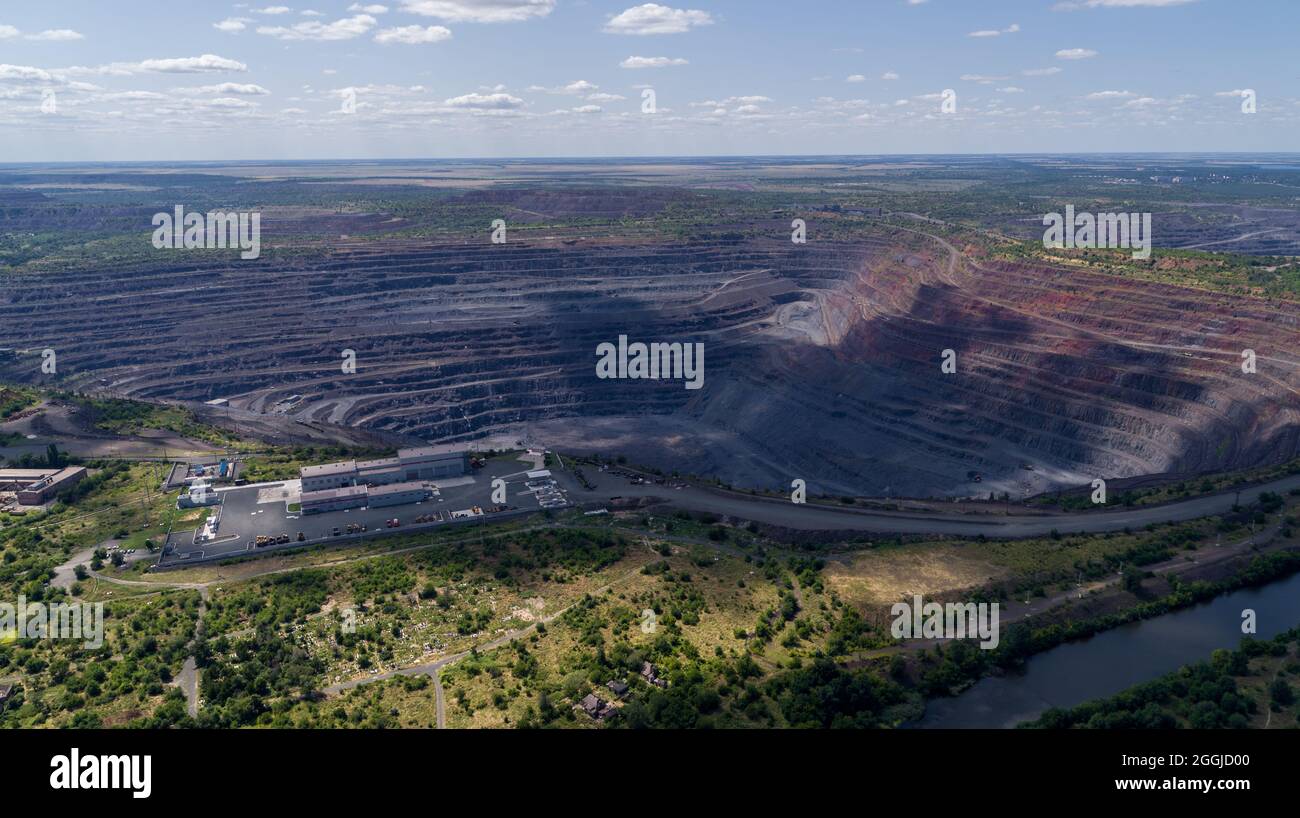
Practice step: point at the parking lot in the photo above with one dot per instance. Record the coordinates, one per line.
(260, 510)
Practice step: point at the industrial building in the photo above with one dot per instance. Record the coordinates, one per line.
(397, 494)
(199, 494)
(329, 476)
(345, 497)
(37, 486)
(336, 499)
(16, 479)
(424, 463)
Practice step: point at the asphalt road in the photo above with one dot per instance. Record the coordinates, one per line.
(969, 524)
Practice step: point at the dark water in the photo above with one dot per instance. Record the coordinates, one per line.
(1116, 659)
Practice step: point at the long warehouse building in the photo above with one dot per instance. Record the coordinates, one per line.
(345, 497)
(410, 465)
(34, 487)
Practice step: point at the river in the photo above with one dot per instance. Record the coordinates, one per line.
(1111, 661)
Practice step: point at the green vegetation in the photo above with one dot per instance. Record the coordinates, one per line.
(126, 417)
(123, 683)
(116, 498)
(14, 399)
(286, 462)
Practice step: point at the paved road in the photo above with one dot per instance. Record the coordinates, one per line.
(970, 524)
(441, 700)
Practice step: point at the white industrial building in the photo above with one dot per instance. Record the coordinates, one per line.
(424, 463)
(329, 476)
(337, 499)
(345, 497)
(199, 494)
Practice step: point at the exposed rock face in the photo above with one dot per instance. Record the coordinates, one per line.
(822, 360)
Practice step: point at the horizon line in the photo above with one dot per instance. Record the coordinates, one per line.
(645, 158)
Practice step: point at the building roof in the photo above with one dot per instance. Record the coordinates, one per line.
(398, 488)
(325, 495)
(439, 450)
(25, 474)
(382, 463)
(326, 469)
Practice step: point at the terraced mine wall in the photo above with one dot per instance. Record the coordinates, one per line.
(822, 360)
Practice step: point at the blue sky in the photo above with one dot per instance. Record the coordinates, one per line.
(131, 80)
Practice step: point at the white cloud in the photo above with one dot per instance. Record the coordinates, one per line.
(50, 35)
(1110, 95)
(57, 35)
(205, 64)
(603, 97)
(229, 103)
(994, 32)
(372, 8)
(889, 75)
(413, 35)
(25, 73)
(479, 11)
(191, 65)
(577, 87)
(1075, 53)
(651, 62)
(1011, 89)
(133, 96)
(652, 18)
(1072, 5)
(1041, 72)
(485, 101)
(343, 29)
(855, 78)
(273, 10)
(232, 24)
(241, 89)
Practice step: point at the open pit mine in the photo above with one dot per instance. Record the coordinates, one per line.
(824, 360)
